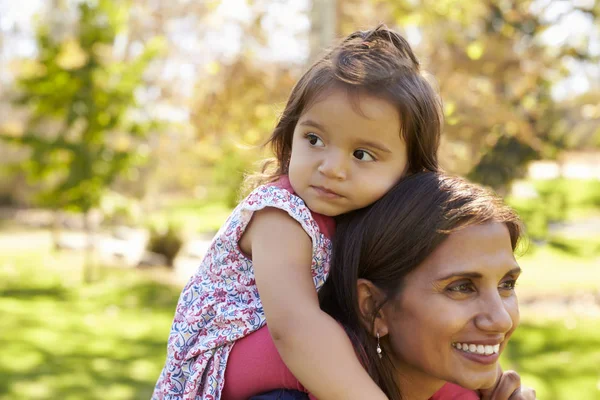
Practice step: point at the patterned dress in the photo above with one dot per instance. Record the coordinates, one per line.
(220, 304)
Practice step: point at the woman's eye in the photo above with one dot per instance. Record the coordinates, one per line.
(314, 140)
(363, 155)
(466, 287)
(508, 285)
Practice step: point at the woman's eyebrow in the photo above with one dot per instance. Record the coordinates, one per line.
(468, 274)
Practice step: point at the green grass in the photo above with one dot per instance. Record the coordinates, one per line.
(561, 361)
(106, 340)
(192, 215)
(578, 193)
(552, 270)
(557, 200)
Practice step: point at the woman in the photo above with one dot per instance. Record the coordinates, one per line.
(423, 281)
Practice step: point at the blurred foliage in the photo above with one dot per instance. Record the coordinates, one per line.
(80, 97)
(193, 216)
(503, 163)
(495, 67)
(166, 241)
(587, 247)
(496, 73)
(556, 199)
(235, 111)
(118, 209)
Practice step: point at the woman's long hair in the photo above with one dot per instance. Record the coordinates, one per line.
(384, 242)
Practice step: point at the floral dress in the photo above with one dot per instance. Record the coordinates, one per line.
(220, 304)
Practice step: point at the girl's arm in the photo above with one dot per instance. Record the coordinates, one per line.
(311, 343)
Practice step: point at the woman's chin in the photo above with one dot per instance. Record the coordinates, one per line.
(483, 381)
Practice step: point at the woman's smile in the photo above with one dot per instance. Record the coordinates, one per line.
(483, 354)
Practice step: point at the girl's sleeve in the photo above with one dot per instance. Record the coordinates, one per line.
(276, 197)
(450, 391)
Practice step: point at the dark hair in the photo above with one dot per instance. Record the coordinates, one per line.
(379, 62)
(384, 242)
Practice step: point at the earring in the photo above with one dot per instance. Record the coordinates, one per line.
(379, 351)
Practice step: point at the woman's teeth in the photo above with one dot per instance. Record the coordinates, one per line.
(485, 350)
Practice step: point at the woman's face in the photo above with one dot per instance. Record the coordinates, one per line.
(457, 310)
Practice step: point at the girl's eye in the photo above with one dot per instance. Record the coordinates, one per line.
(508, 285)
(362, 155)
(314, 140)
(465, 287)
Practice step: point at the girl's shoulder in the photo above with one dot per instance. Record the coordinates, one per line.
(281, 194)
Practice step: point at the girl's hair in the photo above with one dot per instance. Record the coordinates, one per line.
(386, 241)
(379, 62)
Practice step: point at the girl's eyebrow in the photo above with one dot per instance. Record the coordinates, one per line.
(366, 143)
(474, 275)
(374, 145)
(310, 122)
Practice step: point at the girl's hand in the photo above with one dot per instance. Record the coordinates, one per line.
(508, 387)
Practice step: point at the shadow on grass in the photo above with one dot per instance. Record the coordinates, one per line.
(562, 357)
(84, 375)
(576, 247)
(106, 340)
(54, 292)
(145, 294)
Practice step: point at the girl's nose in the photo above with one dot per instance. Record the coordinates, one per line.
(333, 166)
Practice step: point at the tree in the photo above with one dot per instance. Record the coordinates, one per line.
(495, 73)
(82, 132)
(233, 115)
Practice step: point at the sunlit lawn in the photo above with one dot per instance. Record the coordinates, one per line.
(565, 268)
(102, 341)
(61, 340)
(192, 215)
(560, 360)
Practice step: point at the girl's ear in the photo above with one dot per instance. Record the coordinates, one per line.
(370, 297)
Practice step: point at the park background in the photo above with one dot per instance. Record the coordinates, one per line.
(126, 128)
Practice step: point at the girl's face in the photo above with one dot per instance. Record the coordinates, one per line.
(346, 155)
(456, 311)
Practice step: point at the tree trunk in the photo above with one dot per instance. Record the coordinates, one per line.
(323, 27)
(88, 263)
(56, 229)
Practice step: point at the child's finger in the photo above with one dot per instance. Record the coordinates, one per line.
(523, 393)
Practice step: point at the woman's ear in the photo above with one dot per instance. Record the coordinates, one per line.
(370, 298)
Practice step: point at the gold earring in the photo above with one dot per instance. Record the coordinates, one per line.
(379, 351)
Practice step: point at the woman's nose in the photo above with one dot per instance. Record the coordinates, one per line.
(334, 165)
(497, 314)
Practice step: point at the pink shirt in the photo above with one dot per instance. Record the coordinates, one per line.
(254, 365)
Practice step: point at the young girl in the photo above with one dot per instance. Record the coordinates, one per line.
(358, 120)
